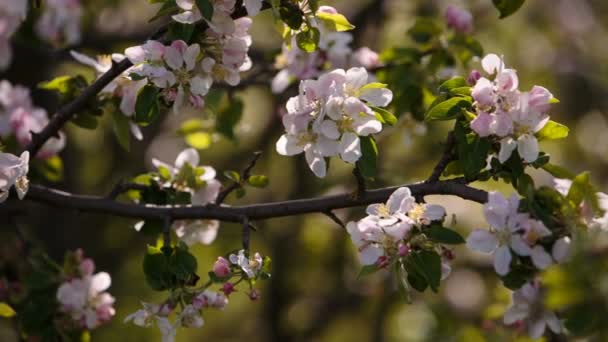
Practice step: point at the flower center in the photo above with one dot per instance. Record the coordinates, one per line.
(417, 213)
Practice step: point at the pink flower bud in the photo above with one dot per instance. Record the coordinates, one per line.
(228, 288)
(200, 302)
(382, 262)
(254, 294)
(474, 75)
(221, 268)
(87, 267)
(367, 58)
(459, 19)
(327, 9)
(404, 250)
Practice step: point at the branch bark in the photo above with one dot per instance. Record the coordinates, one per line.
(57, 198)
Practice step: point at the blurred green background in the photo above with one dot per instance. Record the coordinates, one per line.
(314, 294)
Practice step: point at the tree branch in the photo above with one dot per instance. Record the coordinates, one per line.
(57, 198)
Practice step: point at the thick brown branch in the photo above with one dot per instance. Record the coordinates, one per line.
(57, 198)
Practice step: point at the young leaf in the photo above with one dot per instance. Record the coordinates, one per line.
(206, 8)
(6, 311)
(428, 265)
(448, 110)
(258, 181)
(367, 270)
(120, 126)
(308, 40)
(386, 116)
(182, 264)
(507, 7)
(452, 83)
(552, 131)
(558, 171)
(146, 105)
(291, 15)
(199, 140)
(443, 235)
(335, 21)
(367, 164)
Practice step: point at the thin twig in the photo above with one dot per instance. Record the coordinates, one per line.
(244, 176)
(361, 186)
(334, 218)
(448, 156)
(246, 233)
(167, 231)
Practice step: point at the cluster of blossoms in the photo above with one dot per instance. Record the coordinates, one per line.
(123, 87)
(237, 265)
(588, 217)
(333, 52)
(528, 306)
(515, 234)
(83, 296)
(198, 181)
(511, 116)
(221, 21)
(189, 317)
(19, 118)
(385, 234)
(58, 24)
(329, 115)
(13, 172)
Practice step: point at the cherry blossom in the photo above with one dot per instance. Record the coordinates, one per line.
(85, 299)
(13, 172)
(504, 112)
(510, 232)
(329, 115)
(528, 306)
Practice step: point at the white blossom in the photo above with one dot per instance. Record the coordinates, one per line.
(85, 299)
(13, 172)
(528, 306)
(251, 266)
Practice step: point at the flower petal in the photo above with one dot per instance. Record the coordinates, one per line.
(482, 240)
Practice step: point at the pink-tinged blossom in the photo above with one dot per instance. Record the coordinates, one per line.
(221, 268)
(20, 118)
(251, 266)
(366, 58)
(153, 313)
(12, 14)
(60, 22)
(329, 115)
(505, 234)
(13, 172)
(210, 299)
(588, 217)
(380, 235)
(86, 301)
(193, 231)
(506, 114)
(528, 307)
(459, 19)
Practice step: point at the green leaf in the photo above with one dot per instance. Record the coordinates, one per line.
(507, 7)
(206, 8)
(424, 30)
(51, 168)
(449, 109)
(6, 311)
(385, 116)
(146, 105)
(582, 190)
(179, 31)
(367, 270)
(525, 186)
(199, 140)
(335, 21)
(426, 264)
(156, 269)
(182, 264)
(84, 120)
(120, 126)
(291, 15)
(191, 126)
(453, 83)
(472, 151)
(552, 131)
(233, 176)
(443, 235)
(367, 164)
(308, 40)
(558, 171)
(258, 181)
(229, 117)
